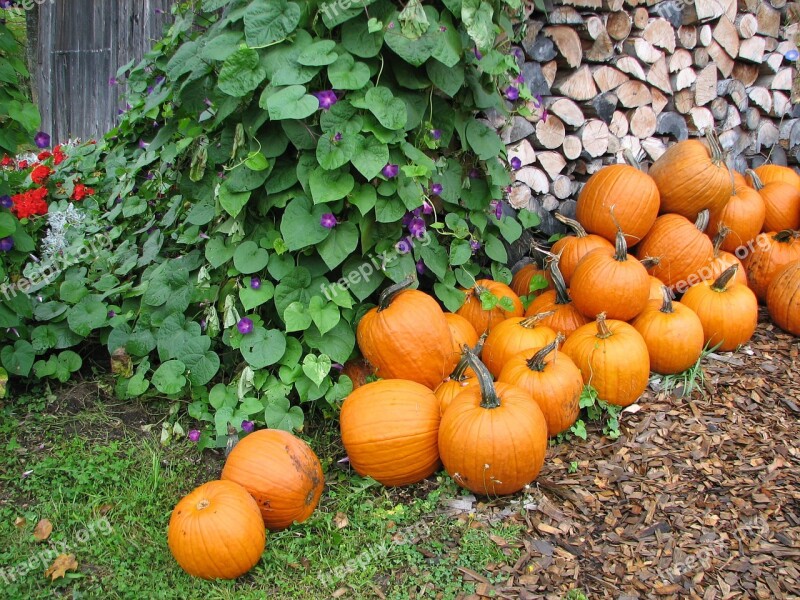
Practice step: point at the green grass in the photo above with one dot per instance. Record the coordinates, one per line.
(109, 488)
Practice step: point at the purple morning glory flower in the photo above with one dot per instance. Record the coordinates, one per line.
(475, 245)
(6, 244)
(328, 221)
(420, 266)
(337, 366)
(416, 227)
(42, 140)
(327, 98)
(149, 89)
(245, 326)
(390, 171)
(403, 247)
(159, 11)
(537, 100)
(406, 220)
(5, 3)
(248, 426)
(112, 81)
(519, 79)
(6, 201)
(390, 25)
(436, 189)
(337, 137)
(255, 283)
(111, 314)
(436, 134)
(149, 176)
(516, 163)
(517, 52)
(474, 173)
(160, 79)
(203, 324)
(792, 55)
(498, 209)
(512, 92)
(477, 53)
(194, 435)
(427, 207)
(143, 145)
(442, 28)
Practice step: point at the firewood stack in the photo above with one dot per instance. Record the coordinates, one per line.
(638, 75)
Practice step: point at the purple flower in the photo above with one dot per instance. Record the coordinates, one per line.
(792, 55)
(390, 25)
(474, 173)
(248, 426)
(420, 266)
(512, 92)
(337, 137)
(517, 52)
(6, 244)
(537, 100)
(498, 209)
(6, 201)
(149, 89)
(328, 221)
(519, 79)
(203, 324)
(159, 11)
(149, 176)
(112, 81)
(194, 435)
(337, 366)
(42, 140)
(416, 227)
(245, 326)
(203, 235)
(255, 283)
(427, 207)
(403, 246)
(436, 189)
(475, 245)
(406, 220)
(436, 134)
(442, 28)
(111, 314)
(160, 79)
(516, 163)
(477, 53)
(5, 3)
(208, 102)
(544, 115)
(390, 171)
(327, 98)
(143, 145)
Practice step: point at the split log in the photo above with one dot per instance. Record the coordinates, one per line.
(552, 163)
(732, 119)
(752, 118)
(783, 79)
(549, 133)
(642, 49)
(700, 57)
(601, 50)
(658, 76)
(566, 110)
(654, 148)
(594, 138)
(769, 20)
(781, 104)
(572, 147)
(603, 106)
(767, 135)
(619, 24)
(561, 187)
(549, 71)
(540, 49)
(683, 101)
(534, 178)
(727, 36)
(772, 62)
(735, 90)
(568, 43)
(640, 17)
(719, 108)
(680, 59)
(592, 28)
(687, 36)
(660, 34)
(608, 78)
(630, 66)
(746, 25)
(564, 15)
(642, 122)
(761, 97)
(752, 49)
(705, 88)
(660, 101)
(619, 126)
(523, 151)
(578, 85)
(721, 58)
(672, 124)
(684, 79)
(706, 35)
(701, 119)
(634, 93)
(708, 10)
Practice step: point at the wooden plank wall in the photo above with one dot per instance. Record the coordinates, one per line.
(80, 45)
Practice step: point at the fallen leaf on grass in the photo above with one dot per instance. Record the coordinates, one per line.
(20, 522)
(104, 509)
(42, 530)
(340, 520)
(60, 566)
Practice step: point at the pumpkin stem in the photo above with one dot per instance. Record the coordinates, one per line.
(722, 281)
(603, 331)
(757, 183)
(648, 262)
(666, 305)
(717, 154)
(621, 254)
(536, 362)
(703, 218)
(489, 397)
(532, 321)
(389, 293)
(787, 235)
(572, 224)
(630, 159)
(562, 295)
(724, 230)
(203, 504)
(461, 367)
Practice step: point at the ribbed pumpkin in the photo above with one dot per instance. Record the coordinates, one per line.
(744, 215)
(281, 472)
(572, 248)
(389, 430)
(493, 438)
(484, 320)
(691, 177)
(772, 173)
(781, 201)
(681, 246)
(460, 379)
(613, 359)
(655, 288)
(566, 318)
(721, 260)
(462, 332)
(673, 334)
(529, 276)
(407, 337)
(783, 298)
(513, 336)
(216, 531)
(358, 370)
(632, 194)
(771, 251)
(727, 310)
(552, 380)
(611, 281)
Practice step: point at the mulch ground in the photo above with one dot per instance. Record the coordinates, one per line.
(698, 498)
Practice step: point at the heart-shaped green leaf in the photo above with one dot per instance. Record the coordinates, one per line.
(347, 74)
(250, 258)
(316, 367)
(291, 102)
(318, 54)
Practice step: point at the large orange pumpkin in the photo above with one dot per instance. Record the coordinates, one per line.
(727, 310)
(770, 252)
(783, 298)
(389, 430)
(529, 280)
(216, 531)
(565, 317)
(462, 331)
(512, 336)
(552, 380)
(631, 193)
(281, 472)
(781, 201)
(572, 248)
(691, 177)
(493, 438)
(721, 260)
(673, 334)
(484, 319)
(613, 359)
(744, 215)
(407, 337)
(772, 173)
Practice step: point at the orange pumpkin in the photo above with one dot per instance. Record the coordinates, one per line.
(721, 260)
(460, 379)
(771, 251)
(483, 319)
(727, 310)
(358, 370)
(216, 531)
(744, 215)
(655, 288)
(462, 331)
(781, 201)
(613, 359)
(527, 277)
(572, 248)
(552, 380)
(772, 173)
(783, 298)
(565, 317)
(513, 336)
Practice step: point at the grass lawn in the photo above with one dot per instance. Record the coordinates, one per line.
(108, 488)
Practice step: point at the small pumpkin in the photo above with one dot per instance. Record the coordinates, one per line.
(552, 380)
(281, 472)
(460, 379)
(462, 331)
(691, 177)
(673, 334)
(781, 201)
(721, 260)
(407, 337)
(565, 317)
(783, 298)
(513, 336)
(504, 305)
(529, 280)
(744, 215)
(389, 430)
(493, 438)
(773, 173)
(612, 357)
(727, 310)
(572, 248)
(216, 531)
(358, 370)
(681, 246)
(611, 281)
(631, 193)
(770, 252)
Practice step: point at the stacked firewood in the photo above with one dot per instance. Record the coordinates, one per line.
(638, 75)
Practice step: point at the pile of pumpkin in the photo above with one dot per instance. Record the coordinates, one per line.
(605, 318)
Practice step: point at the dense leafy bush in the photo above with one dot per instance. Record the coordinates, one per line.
(278, 163)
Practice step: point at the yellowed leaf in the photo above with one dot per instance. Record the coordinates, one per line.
(60, 566)
(20, 522)
(42, 530)
(340, 520)
(105, 508)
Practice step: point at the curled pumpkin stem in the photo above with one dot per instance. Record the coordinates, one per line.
(718, 240)
(489, 397)
(562, 295)
(703, 218)
(666, 304)
(537, 361)
(757, 183)
(648, 262)
(534, 320)
(722, 281)
(572, 224)
(630, 159)
(603, 331)
(717, 154)
(389, 293)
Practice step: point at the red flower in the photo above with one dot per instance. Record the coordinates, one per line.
(30, 203)
(40, 174)
(81, 191)
(6, 162)
(44, 155)
(23, 164)
(58, 155)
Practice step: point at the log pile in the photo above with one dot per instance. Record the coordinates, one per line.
(637, 75)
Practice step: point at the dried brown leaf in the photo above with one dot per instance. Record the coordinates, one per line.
(60, 566)
(42, 530)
